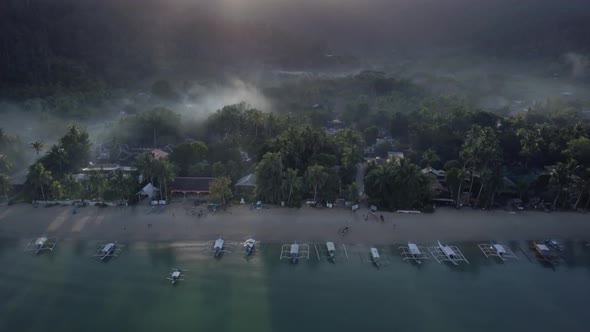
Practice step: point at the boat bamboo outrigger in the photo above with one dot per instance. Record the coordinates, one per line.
(106, 250)
(176, 275)
(413, 252)
(544, 254)
(294, 251)
(447, 253)
(41, 243)
(492, 249)
(250, 246)
(375, 258)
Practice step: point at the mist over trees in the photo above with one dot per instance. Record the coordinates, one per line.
(329, 127)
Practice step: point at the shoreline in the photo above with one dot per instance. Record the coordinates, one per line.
(283, 225)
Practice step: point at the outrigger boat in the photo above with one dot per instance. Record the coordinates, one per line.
(553, 244)
(218, 246)
(41, 243)
(331, 251)
(249, 245)
(449, 253)
(176, 275)
(375, 256)
(415, 252)
(294, 251)
(498, 250)
(544, 253)
(108, 250)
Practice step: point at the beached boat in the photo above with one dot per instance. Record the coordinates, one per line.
(218, 246)
(294, 252)
(449, 253)
(249, 246)
(375, 256)
(331, 251)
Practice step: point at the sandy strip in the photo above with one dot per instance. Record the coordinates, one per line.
(282, 225)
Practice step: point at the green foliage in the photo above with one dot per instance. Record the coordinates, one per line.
(98, 184)
(5, 186)
(316, 177)
(398, 185)
(561, 178)
(77, 147)
(156, 126)
(38, 179)
(72, 187)
(56, 190)
(291, 186)
(429, 158)
(579, 149)
(371, 134)
(269, 178)
(187, 154)
(220, 191)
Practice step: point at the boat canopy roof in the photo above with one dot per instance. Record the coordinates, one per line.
(219, 243)
(294, 248)
(176, 274)
(413, 249)
(448, 251)
(374, 252)
(330, 246)
(542, 247)
(499, 248)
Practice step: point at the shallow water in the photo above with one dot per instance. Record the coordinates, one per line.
(68, 290)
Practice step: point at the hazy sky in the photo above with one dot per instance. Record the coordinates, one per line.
(416, 22)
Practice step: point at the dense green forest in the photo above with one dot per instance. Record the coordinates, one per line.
(314, 153)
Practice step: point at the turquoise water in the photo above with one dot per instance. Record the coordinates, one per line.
(68, 290)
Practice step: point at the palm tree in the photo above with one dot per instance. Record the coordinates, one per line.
(146, 166)
(37, 146)
(71, 186)
(429, 157)
(582, 186)
(164, 172)
(560, 178)
(121, 183)
(316, 176)
(5, 165)
(39, 177)
(4, 184)
(98, 183)
(59, 158)
(291, 183)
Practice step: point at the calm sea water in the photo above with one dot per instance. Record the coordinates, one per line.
(68, 290)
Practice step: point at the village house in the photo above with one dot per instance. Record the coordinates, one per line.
(246, 185)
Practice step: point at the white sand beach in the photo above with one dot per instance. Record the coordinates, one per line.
(177, 223)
